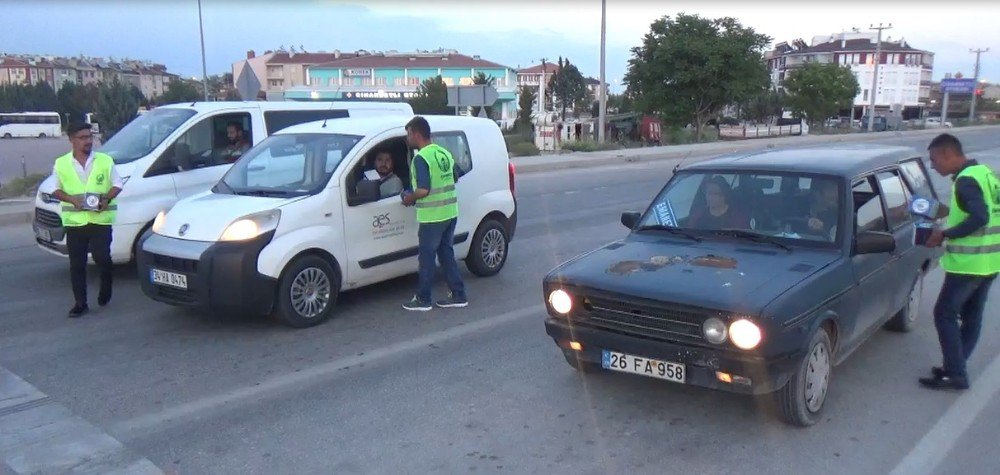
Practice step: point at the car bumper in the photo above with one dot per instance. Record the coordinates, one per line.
(756, 375)
(50, 235)
(220, 276)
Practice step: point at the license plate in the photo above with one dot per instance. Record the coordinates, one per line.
(43, 234)
(171, 279)
(643, 366)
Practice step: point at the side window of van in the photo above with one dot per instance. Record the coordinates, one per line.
(458, 144)
(207, 144)
(366, 169)
(277, 120)
(916, 178)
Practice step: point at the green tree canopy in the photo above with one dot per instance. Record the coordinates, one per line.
(567, 86)
(180, 90)
(432, 98)
(525, 106)
(818, 91)
(116, 106)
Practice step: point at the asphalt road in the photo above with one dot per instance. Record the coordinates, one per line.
(481, 390)
(29, 155)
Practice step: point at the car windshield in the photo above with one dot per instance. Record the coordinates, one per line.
(797, 207)
(145, 133)
(288, 165)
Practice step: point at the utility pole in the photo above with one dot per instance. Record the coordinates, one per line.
(204, 68)
(878, 59)
(541, 92)
(972, 105)
(602, 98)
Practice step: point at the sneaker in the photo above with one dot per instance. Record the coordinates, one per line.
(945, 382)
(104, 297)
(416, 305)
(453, 302)
(938, 372)
(77, 311)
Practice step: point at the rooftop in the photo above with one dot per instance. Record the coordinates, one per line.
(415, 60)
(845, 160)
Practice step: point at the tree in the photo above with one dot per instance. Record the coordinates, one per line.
(688, 68)
(76, 100)
(762, 106)
(818, 91)
(180, 90)
(482, 79)
(567, 86)
(432, 98)
(116, 106)
(525, 106)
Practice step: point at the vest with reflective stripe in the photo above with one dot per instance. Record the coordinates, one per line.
(99, 182)
(441, 204)
(979, 252)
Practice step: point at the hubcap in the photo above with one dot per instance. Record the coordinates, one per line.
(310, 292)
(916, 294)
(817, 377)
(493, 248)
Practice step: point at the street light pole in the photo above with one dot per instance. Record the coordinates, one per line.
(204, 68)
(972, 105)
(603, 99)
(878, 59)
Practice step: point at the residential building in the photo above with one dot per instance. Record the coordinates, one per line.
(13, 71)
(904, 75)
(395, 76)
(41, 70)
(532, 77)
(272, 73)
(63, 72)
(86, 73)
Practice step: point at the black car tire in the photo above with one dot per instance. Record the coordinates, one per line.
(796, 401)
(307, 292)
(578, 364)
(904, 320)
(488, 250)
(41, 135)
(8, 136)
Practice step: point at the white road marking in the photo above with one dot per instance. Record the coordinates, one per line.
(38, 435)
(938, 442)
(314, 375)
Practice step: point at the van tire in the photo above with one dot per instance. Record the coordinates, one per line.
(489, 248)
(307, 292)
(811, 380)
(41, 135)
(8, 136)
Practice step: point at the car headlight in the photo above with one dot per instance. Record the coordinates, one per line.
(715, 331)
(744, 334)
(561, 301)
(251, 226)
(161, 219)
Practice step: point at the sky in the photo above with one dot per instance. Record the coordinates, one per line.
(516, 33)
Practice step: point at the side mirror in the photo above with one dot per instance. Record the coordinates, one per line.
(630, 219)
(872, 242)
(367, 192)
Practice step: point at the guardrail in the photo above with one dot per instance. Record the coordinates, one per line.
(757, 131)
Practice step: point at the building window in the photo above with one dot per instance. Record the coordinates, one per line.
(367, 81)
(397, 82)
(412, 81)
(865, 97)
(381, 81)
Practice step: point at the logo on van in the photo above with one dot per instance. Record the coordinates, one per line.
(183, 230)
(381, 221)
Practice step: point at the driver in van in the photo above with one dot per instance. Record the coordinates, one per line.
(238, 144)
(389, 183)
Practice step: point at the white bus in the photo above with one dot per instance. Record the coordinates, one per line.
(30, 124)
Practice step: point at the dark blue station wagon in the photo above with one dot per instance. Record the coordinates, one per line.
(752, 273)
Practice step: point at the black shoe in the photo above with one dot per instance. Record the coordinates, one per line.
(78, 310)
(945, 382)
(453, 302)
(416, 305)
(938, 372)
(104, 297)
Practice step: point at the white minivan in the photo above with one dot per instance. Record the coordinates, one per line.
(177, 150)
(295, 221)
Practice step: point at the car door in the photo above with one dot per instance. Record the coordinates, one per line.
(871, 271)
(381, 235)
(906, 261)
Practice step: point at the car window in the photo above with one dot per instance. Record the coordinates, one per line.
(916, 178)
(289, 165)
(206, 144)
(868, 215)
(277, 120)
(895, 199)
(458, 145)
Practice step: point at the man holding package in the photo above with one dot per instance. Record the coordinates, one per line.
(88, 185)
(971, 258)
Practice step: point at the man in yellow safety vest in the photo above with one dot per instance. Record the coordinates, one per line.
(971, 258)
(88, 185)
(433, 175)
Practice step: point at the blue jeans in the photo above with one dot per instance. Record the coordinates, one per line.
(437, 240)
(963, 297)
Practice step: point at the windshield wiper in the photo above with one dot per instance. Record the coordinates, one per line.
(670, 229)
(752, 236)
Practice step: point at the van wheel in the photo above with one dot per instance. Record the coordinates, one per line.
(307, 292)
(8, 136)
(905, 319)
(800, 402)
(41, 135)
(488, 251)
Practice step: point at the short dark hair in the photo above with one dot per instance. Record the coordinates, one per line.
(946, 141)
(419, 125)
(235, 124)
(75, 127)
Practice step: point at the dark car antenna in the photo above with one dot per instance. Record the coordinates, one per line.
(678, 166)
(332, 103)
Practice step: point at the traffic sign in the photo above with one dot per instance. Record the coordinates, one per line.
(472, 96)
(958, 86)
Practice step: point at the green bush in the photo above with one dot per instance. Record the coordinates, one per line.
(522, 149)
(21, 186)
(589, 146)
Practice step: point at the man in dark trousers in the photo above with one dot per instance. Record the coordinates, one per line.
(971, 258)
(88, 185)
(433, 175)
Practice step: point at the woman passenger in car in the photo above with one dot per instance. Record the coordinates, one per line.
(823, 211)
(717, 213)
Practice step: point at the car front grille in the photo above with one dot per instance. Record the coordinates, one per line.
(175, 263)
(664, 321)
(46, 218)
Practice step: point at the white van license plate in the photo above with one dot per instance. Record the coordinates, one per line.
(170, 279)
(643, 366)
(43, 234)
